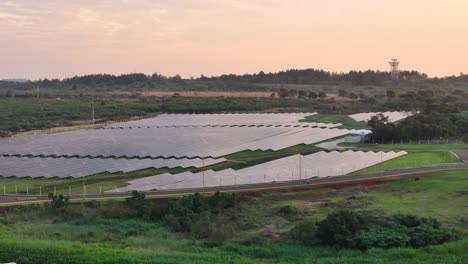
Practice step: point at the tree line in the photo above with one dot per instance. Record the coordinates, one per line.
(291, 76)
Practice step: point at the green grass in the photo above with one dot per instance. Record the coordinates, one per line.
(442, 195)
(348, 122)
(405, 146)
(255, 153)
(413, 159)
(102, 233)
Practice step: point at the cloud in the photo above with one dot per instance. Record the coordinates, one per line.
(158, 13)
(10, 4)
(14, 19)
(90, 20)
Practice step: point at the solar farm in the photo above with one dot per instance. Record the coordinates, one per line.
(191, 142)
(296, 167)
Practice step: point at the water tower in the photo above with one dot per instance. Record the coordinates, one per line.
(394, 69)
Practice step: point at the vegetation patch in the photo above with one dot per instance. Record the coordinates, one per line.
(413, 159)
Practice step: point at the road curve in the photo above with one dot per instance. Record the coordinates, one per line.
(329, 181)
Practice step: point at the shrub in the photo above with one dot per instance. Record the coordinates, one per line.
(340, 228)
(382, 238)
(304, 233)
(289, 210)
(465, 138)
(59, 202)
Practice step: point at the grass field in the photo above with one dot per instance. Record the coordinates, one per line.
(348, 122)
(100, 234)
(413, 159)
(255, 153)
(405, 146)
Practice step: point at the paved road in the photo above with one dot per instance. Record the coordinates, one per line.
(13, 199)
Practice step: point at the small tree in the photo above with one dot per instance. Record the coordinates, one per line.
(282, 93)
(322, 95)
(312, 95)
(390, 94)
(59, 201)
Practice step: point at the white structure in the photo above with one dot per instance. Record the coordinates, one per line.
(358, 136)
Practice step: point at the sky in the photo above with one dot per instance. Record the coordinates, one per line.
(57, 39)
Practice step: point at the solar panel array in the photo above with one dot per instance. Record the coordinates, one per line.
(219, 119)
(166, 142)
(74, 167)
(392, 116)
(296, 167)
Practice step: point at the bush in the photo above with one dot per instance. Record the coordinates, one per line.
(340, 228)
(350, 229)
(59, 202)
(465, 138)
(382, 238)
(289, 210)
(305, 233)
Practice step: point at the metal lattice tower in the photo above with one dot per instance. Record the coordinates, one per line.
(394, 68)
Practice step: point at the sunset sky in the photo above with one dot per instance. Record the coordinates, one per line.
(43, 38)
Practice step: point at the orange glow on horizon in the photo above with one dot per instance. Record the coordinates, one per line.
(65, 38)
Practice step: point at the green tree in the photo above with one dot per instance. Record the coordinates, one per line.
(283, 92)
(312, 95)
(465, 138)
(390, 94)
(59, 201)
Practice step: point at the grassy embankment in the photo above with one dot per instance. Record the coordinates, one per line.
(428, 147)
(414, 159)
(102, 233)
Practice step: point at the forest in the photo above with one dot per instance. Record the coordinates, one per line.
(240, 82)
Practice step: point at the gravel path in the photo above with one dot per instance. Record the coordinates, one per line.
(462, 154)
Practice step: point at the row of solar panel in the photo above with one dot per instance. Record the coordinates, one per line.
(165, 142)
(296, 167)
(216, 119)
(74, 167)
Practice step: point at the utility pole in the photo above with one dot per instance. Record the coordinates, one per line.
(203, 172)
(300, 167)
(83, 187)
